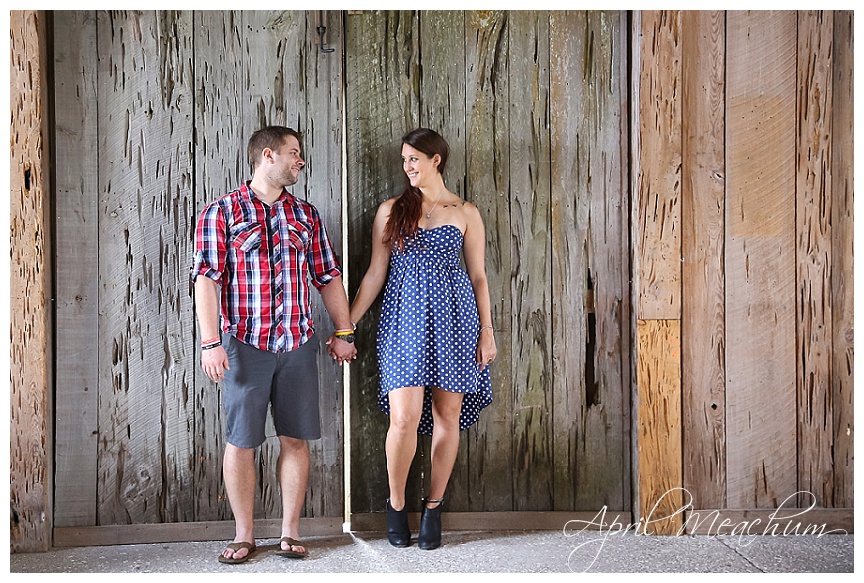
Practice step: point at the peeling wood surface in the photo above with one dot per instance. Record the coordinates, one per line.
(760, 258)
(703, 316)
(487, 80)
(30, 287)
(530, 255)
(813, 241)
(77, 271)
(145, 325)
(842, 282)
(589, 248)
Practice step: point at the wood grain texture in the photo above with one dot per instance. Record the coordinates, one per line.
(220, 166)
(487, 175)
(568, 233)
(658, 379)
(813, 241)
(658, 179)
(322, 148)
(30, 242)
(760, 258)
(145, 438)
(588, 244)
(77, 269)
(530, 255)
(382, 78)
(842, 269)
(703, 192)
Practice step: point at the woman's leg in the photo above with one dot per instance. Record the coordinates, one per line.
(446, 408)
(406, 406)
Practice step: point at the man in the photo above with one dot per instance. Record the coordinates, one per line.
(256, 249)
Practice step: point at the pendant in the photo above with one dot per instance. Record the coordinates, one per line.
(428, 215)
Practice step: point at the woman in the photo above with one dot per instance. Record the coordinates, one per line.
(435, 336)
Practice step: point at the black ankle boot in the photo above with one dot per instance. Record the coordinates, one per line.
(430, 526)
(397, 527)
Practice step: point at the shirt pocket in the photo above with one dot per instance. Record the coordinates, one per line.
(298, 237)
(246, 236)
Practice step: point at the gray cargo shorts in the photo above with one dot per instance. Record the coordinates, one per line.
(286, 382)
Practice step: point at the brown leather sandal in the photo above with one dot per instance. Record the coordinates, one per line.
(236, 547)
(288, 553)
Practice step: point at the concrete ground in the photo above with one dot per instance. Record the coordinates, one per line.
(473, 552)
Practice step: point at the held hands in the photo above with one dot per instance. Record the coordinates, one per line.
(340, 350)
(214, 361)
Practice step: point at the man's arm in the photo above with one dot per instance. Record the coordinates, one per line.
(215, 360)
(336, 304)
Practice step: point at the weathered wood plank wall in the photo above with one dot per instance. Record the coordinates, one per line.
(152, 113)
(766, 358)
(531, 103)
(842, 284)
(30, 262)
(77, 275)
(177, 95)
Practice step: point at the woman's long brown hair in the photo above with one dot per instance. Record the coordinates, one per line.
(405, 214)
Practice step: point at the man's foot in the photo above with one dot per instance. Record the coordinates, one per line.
(237, 552)
(291, 548)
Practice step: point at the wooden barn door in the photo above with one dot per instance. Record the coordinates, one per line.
(533, 105)
(153, 111)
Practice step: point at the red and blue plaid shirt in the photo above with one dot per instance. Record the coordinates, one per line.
(261, 256)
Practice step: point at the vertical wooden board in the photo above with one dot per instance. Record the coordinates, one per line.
(442, 86)
(760, 258)
(658, 379)
(702, 276)
(603, 467)
(382, 82)
(658, 269)
(569, 249)
(813, 238)
(30, 266)
(274, 54)
(145, 322)
(442, 108)
(487, 184)
(76, 260)
(530, 256)
(220, 166)
(842, 281)
(323, 156)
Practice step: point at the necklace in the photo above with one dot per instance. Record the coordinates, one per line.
(429, 214)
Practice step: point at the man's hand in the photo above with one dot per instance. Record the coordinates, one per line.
(340, 350)
(214, 362)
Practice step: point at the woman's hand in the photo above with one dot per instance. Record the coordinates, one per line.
(486, 349)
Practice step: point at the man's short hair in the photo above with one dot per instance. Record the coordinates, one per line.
(272, 137)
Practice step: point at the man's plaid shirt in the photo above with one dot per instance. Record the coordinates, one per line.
(261, 257)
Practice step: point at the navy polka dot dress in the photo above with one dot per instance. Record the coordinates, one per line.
(428, 330)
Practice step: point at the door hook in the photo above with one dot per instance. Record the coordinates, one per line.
(321, 30)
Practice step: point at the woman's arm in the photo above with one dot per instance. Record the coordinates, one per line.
(376, 274)
(475, 263)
